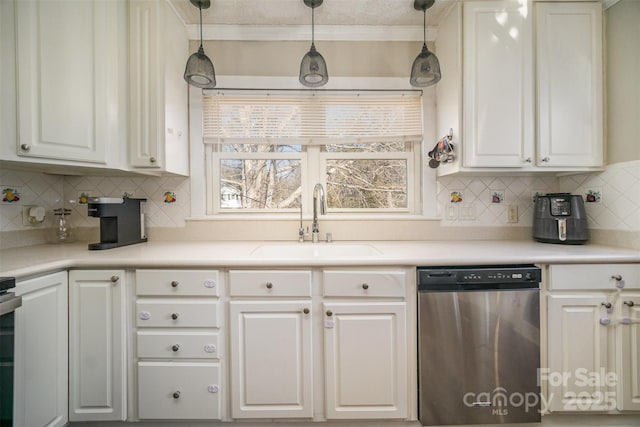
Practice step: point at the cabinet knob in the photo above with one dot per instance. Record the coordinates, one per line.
(606, 304)
(305, 311)
(329, 313)
(25, 147)
(365, 286)
(176, 394)
(114, 279)
(629, 303)
(545, 160)
(152, 159)
(269, 285)
(528, 160)
(174, 316)
(616, 277)
(175, 347)
(174, 284)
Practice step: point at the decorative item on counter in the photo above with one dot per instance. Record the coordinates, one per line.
(62, 231)
(10, 194)
(443, 152)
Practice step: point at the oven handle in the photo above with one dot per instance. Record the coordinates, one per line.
(9, 303)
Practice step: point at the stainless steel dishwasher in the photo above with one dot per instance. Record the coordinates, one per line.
(479, 344)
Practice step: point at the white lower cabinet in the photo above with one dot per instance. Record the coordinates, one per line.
(97, 345)
(365, 360)
(271, 363)
(179, 370)
(178, 390)
(593, 338)
(41, 369)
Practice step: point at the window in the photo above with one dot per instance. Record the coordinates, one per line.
(266, 151)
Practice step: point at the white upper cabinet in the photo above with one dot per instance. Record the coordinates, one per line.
(497, 89)
(569, 74)
(513, 107)
(158, 101)
(70, 71)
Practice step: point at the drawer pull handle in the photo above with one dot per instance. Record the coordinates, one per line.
(269, 285)
(365, 286)
(329, 313)
(606, 304)
(545, 160)
(174, 316)
(152, 159)
(175, 347)
(176, 394)
(629, 303)
(25, 147)
(114, 279)
(305, 311)
(174, 284)
(616, 277)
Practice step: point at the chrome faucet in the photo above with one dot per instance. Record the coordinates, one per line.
(317, 190)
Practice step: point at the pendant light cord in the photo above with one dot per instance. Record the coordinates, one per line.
(313, 26)
(424, 25)
(200, 8)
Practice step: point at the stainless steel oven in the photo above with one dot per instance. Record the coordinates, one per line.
(479, 344)
(8, 304)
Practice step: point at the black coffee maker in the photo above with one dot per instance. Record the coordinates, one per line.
(121, 221)
(560, 218)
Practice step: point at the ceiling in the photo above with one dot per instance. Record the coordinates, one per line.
(294, 12)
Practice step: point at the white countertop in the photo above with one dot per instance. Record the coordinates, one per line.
(32, 260)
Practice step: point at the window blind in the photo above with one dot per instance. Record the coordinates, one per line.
(233, 118)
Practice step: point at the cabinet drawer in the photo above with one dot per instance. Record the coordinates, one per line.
(169, 344)
(270, 283)
(593, 276)
(177, 282)
(177, 390)
(184, 312)
(352, 283)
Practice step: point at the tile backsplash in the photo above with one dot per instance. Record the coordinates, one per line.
(612, 199)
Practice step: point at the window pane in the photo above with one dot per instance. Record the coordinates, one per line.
(260, 184)
(366, 184)
(377, 147)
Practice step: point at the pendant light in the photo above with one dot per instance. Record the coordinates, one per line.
(313, 68)
(425, 70)
(199, 71)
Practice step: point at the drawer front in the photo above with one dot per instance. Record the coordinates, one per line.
(177, 313)
(364, 283)
(173, 390)
(270, 283)
(177, 282)
(168, 344)
(593, 276)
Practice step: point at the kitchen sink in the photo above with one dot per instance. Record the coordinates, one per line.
(315, 250)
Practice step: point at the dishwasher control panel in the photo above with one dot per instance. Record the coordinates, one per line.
(500, 276)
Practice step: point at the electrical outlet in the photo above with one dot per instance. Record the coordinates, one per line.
(512, 214)
(451, 212)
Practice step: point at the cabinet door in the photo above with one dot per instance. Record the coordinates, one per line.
(158, 102)
(271, 372)
(577, 354)
(365, 360)
(41, 370)
(67, 79)
(497, 93)
(97, 349)
(569, 75)
(628, 351)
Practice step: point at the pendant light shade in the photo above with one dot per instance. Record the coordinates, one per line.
(313, 68)
(425, 70)
(199, 71)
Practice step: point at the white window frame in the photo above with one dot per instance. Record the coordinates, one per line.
(425, 203)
